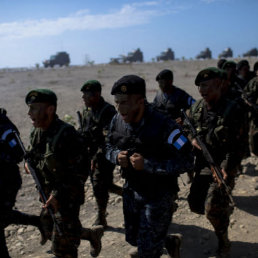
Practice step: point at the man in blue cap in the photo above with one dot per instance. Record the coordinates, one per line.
(152, 151)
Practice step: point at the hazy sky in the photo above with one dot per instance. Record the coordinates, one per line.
(32, 30)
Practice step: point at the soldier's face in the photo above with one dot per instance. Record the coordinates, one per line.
(129, 107)
(243, 72)
(164, 85)
(39, 114)
(210, 90)
(90, 98)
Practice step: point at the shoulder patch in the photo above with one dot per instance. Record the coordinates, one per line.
(177, 139)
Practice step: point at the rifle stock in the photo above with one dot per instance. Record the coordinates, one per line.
(37, 182)
(214, 167)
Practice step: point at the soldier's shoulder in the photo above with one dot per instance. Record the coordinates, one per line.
(197, 105)
(109, 107)
(252, 84)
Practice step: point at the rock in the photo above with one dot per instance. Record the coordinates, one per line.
(232, 222)
(30, 228)
(242, 226)
(118, 199)
(20, 231)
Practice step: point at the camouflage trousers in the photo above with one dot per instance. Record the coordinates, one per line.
(65, 245)
(207, 198)
(102, 179)
(147, 221)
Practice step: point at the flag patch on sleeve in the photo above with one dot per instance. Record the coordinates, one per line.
(179, 143)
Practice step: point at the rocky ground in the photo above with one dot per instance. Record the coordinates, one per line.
(198, 238)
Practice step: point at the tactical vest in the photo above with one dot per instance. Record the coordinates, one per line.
(150, 142)
(44, 153)
(216, 132)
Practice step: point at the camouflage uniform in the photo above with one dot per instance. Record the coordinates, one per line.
(58, 157)
(95, 124)
(10, 180)
(233, 92)
(220, 129)
(148, 194)
(251, 91)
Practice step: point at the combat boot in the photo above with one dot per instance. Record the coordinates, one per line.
(101, 218)
(93, 235)
(223, 245)
(27, 219)
(172, 244)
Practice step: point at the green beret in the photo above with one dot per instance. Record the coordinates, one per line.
(91, 85)
(165, 75)
(129, 84)
(41, 96)
(208, 74)
(229, 64)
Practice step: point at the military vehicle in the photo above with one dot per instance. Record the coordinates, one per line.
(205, 54)
(60, 58)
(134, 56)
(252, 52)
(166, 55)
(226, 53)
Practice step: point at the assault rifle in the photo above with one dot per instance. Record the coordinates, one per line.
(216, 170)
(39, 187)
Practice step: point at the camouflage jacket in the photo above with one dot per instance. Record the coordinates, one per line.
(251, 90)
(58, 155)
(172, 104)
(220, 129)
(95, 125)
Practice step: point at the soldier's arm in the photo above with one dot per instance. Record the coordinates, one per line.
(181, 159)
(235, 134)
(112, 151)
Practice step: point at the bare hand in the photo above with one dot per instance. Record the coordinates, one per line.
(122, 159)
(195, 144)
(179, 121)
(53, 202)
(92, 165)
(26, 167)
(137, 161)
(216, 178)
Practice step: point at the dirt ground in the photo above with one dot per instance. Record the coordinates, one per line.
(199, 240)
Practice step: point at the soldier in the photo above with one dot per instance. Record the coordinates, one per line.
(10, 182)
(243, 73)
(232, 89)
(220, 62)
(59, 158)
(170, 98)
(96, 119)
(218, 121)
(251, 92)
(151, 150)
